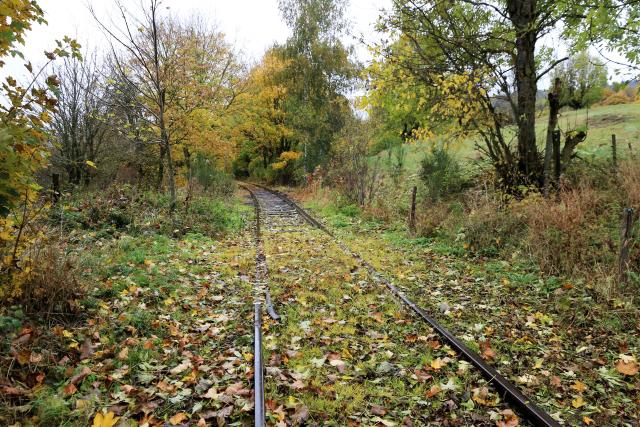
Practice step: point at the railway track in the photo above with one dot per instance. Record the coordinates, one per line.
(279, 213)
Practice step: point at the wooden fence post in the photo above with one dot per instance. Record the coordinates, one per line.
(55, 181)
(614, 153)
(556, 156)
(412, 213)
(623, 260)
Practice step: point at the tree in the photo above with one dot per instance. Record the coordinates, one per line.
(491, 52)
(24, 112)
(145, 66)
(79, 123)
(319, 74)
(583, 79)
(179, 77)
(262, 130)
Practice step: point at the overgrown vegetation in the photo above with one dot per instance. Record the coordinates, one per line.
(126, 256)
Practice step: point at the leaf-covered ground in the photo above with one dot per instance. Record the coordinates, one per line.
(578, 358)
(347, 353)
(165, 338)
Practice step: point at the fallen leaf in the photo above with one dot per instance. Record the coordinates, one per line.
(578, 402)
(105, 420)
(178, 418)
(578, 386)
(435, 389)
(629, 368)
(181, 367)
(123, 354)
(378, 410)
(297, 385)
(588, 421)
(486, 351)
(509, 419)
(437, 364)
(301, 415)
(70, 389)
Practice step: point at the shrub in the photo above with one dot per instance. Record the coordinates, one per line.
(51, 286)
(620, 97)
(441, 174)
(629, 177)
(491, 226)
(213, 181)
(430, 219)
(572, 236)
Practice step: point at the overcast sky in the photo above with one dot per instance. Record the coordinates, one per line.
(252, 25)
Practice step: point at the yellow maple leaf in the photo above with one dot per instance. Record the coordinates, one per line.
(437, 363)
(578, 386)
(578, 402)
(588, 421)
(105, 420)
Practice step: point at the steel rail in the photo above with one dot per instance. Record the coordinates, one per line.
(260, 285)
(261, 267)
(258, 368)
(527, 407)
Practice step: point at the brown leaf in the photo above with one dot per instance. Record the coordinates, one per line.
(378, 410)
(301, 414)
(165, 387)
(86, 349)
(435, 389)
(629, 368)
(509, 419)
(422, 375)
(486, 351)
(556, 382)
(237, 389)
(81, 376)
(410, 338)
(70, 389)
(297, 385)
(123, 354)
(178, 418)
(13, 391)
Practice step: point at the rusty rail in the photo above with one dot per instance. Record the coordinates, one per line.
(536, 415)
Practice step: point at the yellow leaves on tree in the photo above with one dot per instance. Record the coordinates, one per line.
(285, 158)
(263, 120)
(24, 146)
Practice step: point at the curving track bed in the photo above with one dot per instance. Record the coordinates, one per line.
(347, 347)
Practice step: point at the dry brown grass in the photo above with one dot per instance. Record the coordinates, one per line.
(569, 236)
(52, 287)
(629, 176)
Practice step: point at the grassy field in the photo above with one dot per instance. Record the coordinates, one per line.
(601, 121)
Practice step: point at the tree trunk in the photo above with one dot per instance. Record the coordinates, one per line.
(523, 16)
(161, 166)
(554, 108)
(171, 172)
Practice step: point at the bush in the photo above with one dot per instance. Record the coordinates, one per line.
(213, 181)
(490, 226)
(51, 287)
(441, 174)
(572, 236)
(616, 98)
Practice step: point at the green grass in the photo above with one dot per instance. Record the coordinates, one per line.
(601, 122)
